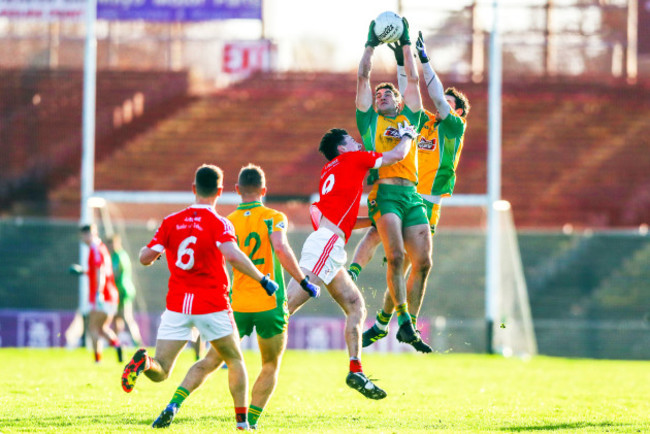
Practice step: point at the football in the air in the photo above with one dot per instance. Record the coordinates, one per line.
(388, 27)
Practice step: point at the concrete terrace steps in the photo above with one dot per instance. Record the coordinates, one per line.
(41, 124)
(556, 142)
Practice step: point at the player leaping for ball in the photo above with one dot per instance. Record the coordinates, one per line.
(334, 217)
(439, 148)
(394, 204)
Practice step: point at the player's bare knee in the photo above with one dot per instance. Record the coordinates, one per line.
(232, 356)
(395, 258)
(355, 307)
(236, 365)
(271, 367)
(157, 375)
(361, 309)
(362, 314)
(423, 265)
(163, 375)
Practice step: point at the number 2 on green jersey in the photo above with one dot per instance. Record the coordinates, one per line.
(255, 237)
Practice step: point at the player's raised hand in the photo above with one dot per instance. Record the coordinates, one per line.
(397, 50)
(313, 290)
(269, 285)
(406, 130)
(421, 49)
(373, 40)
(76, 270)
(405, 39)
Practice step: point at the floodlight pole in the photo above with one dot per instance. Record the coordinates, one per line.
(88, 134)
(493, 252)
(88, 115)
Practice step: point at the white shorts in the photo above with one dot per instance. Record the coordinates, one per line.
(323, 254)
(175, 326)
(109, 309)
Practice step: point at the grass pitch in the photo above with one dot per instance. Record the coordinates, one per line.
(64, 391)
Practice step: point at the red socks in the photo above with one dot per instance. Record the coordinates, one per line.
(355, 365)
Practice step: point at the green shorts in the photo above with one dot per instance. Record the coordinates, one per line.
(404, 201)
(267, 323)
(433, 214)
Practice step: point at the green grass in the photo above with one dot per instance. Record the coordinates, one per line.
(63, 391)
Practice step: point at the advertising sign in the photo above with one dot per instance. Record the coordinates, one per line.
(131, 10)
(178, 10)
(43, 10)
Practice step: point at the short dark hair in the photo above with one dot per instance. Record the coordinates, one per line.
(330, 142)
(87, 228)
(391, 87)
(251, 178)
(208, 180)
(461, 100)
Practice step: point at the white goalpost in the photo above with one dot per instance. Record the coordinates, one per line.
(514, 335)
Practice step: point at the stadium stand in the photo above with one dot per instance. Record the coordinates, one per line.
(568, 145)
(40, 123)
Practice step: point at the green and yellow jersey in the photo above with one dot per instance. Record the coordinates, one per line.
(254, 223)
(439, 147)
(380, 133)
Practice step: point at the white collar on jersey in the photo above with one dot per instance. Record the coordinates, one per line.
(201, 205)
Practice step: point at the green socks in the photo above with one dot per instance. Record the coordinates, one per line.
(354, 271)
(383, 319)
(254, 414)
(403, 314)
(180, 395)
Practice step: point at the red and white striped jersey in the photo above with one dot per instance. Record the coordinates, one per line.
(199, 281)
(341, 186)
(99, 258)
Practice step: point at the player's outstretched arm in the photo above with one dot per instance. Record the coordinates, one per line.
(434, 85)
(402, 80)
(412, 97)
(408, 134)
(288, 261)
(242, 263)
(148, 256)
(76, 269)
(364, 92)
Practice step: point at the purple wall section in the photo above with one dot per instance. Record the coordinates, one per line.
(46, 328)
(20, 328)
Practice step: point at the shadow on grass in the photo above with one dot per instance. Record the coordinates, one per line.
(568, 425)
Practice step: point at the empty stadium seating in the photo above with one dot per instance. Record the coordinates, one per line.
(573, 153)
(41, 115)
